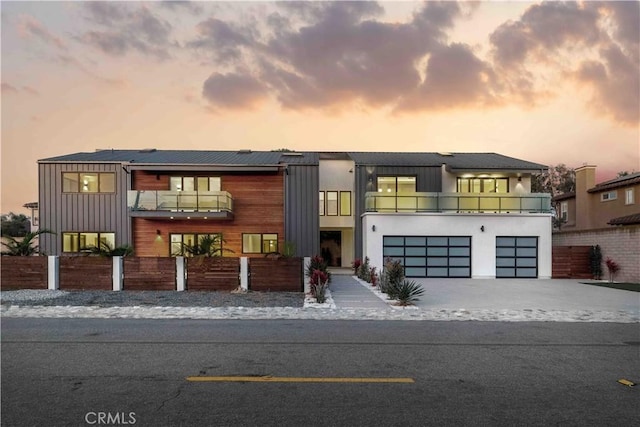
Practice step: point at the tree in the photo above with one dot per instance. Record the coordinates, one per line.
(23, 246)
(558, 179)
(15, 225)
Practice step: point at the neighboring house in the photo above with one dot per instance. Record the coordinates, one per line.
(35, 215)
(605, 214)
(442, 214)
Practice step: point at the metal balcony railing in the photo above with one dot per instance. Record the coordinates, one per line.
(179, 201)
(458, 202)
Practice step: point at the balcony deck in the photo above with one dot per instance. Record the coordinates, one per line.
(180, 204)
(458, 202)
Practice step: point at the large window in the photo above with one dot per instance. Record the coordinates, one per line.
(483, 185)
(82, 241)
(334, 203)
(255, 243)
(192, 183)
(179, 241)
(88, 182)
(396, 184)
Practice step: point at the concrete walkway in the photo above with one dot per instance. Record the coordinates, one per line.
(348, 293)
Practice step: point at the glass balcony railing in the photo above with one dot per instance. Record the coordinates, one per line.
(458, 202)
(179, 201)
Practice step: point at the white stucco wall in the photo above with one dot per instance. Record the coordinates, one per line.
(483, 244)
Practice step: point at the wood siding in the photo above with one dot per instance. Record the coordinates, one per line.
(571, 262)
(213, 274)
(157, 274)
(258, 207)
(86, 272)
(86, 212)
(284, 274)
(22, 272)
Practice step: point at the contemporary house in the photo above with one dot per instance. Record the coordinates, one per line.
(441, 214)
(605, 214)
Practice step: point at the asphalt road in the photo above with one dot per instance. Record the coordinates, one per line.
(79, 372)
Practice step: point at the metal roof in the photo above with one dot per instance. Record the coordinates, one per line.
(454, 161)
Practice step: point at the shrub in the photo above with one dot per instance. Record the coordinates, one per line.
(319, 282)
(318, 263)
(408, 292)
(374, 276)
(391, 278)
(613, 268)
(355, 264)
(595, 262)
(364, 271)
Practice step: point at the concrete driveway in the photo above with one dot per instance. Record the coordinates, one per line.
(521, 294)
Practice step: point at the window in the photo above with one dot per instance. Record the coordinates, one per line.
(629, 198)
(483, 185)
(88, 182)
(332, 203)
(81, 241)
(564, 210)
(610, 195)
(321, 203)
(179, 241)
(345, 203)
(396, 184)
(255, 243)
(191, 183)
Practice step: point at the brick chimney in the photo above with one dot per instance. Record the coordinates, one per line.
(585, 179)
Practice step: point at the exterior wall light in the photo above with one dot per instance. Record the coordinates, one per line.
(482, 228)
(373, 228)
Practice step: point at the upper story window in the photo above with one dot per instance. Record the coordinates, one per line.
(88, 182)
(396, 184)
(193, 183)
(81, 241)
(629, 196)
(564, 210)
(609, 195)
(334, 203)
(483, 185)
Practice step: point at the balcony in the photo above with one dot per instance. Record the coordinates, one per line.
(458, 202)
(180, 204)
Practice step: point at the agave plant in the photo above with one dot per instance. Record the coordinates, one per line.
(25, 246)
(105, 250)
(408, 292)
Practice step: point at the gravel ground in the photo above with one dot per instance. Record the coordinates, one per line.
(150, 298)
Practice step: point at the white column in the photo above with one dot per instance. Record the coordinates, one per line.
(305, 266)
(181, 274)
(117, 270)
(244, 273)
(53, 272)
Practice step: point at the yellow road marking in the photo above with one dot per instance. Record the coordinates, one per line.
(300, 379)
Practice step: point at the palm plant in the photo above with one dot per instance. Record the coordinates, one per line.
(209, 245)
(105, 250)
(408, 292)
(24, 246)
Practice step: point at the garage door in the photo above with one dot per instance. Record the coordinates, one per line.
(517, 257)
(430, 256)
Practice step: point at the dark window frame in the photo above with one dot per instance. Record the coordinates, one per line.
(470, 184)
(78, 233)
(99, 174)
(196, 237)
(262, 242)
(515, 257)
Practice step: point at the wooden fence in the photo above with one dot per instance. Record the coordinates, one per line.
(213, 274)
(149, 274)
(284, 274)
(85, 272)
(23, 272)
(570, 262)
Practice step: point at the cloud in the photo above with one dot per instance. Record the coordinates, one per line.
(28, 27)
(127, 30)
(220, 39)
(549, 37)
(11, 89)
(233, 91)
(189, 6)
(8, 88)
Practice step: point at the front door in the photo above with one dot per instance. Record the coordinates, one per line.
(331, 247)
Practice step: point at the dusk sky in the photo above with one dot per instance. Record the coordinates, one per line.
(545, 82)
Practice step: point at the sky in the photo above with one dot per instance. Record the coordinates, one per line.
(547, 82)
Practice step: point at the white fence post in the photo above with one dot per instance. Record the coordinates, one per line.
(244, 273)
(181, 274)
(53, 272)
(305, 266)
(118, 275)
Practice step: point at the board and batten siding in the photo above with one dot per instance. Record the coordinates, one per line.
(302, 220)
(428, 179)
(82, 212)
